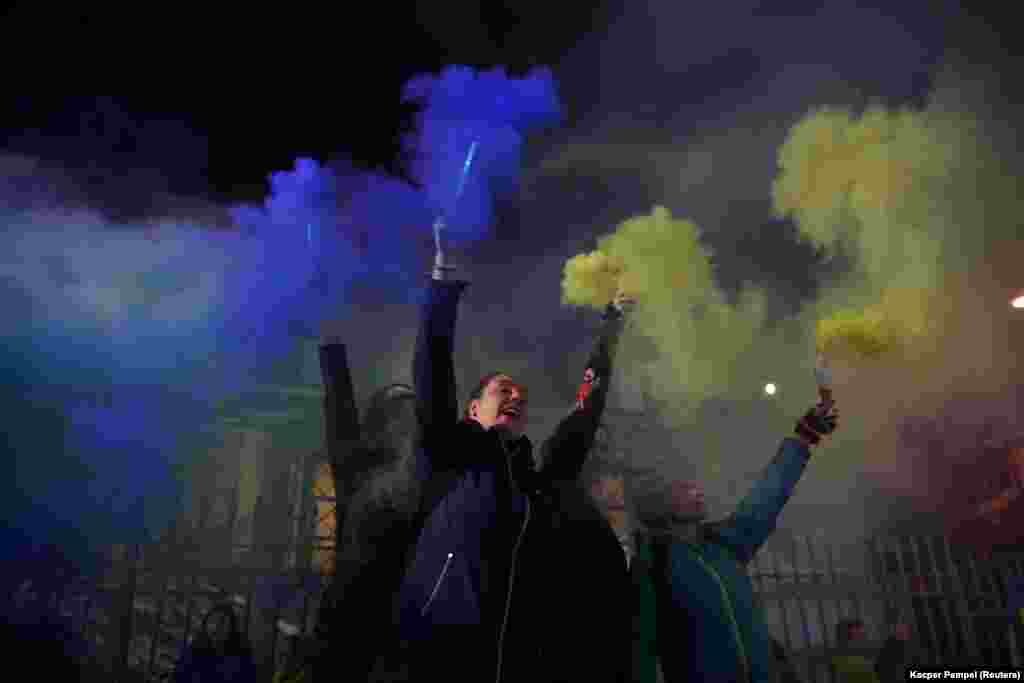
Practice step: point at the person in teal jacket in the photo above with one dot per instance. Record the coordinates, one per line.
(709, 627)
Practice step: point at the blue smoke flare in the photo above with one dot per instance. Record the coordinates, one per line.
(477, 119)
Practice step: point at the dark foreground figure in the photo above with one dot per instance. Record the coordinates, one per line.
(493, 589)
(46, 651)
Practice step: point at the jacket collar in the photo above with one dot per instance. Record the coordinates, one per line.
(685, 531)
(519, 450)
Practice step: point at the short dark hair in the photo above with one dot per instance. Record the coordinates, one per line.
(481, 386)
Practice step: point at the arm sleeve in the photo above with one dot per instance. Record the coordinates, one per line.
(564, 452)
(343, 432)
(434, 373)
(754, 519)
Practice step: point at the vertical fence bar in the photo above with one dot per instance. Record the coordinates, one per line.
(816, 580)
(982, 603)
(187, 627)
(127, 616)
(904, 580)
(801, 607)
(927, 594)
(275, 617)
(963, 601)
(158, 624)
(943, 599)
(235, 503)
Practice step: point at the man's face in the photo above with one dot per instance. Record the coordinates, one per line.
(503, 404)
(856, 633)
(902, 631)
(687, 500)
(609, 493)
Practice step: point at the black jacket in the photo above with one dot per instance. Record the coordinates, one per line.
(352, 630)
(470, 593)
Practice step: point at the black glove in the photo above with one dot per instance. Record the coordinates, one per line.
(818, 423)
(612, 312)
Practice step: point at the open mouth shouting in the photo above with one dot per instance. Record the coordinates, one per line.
(511, 412)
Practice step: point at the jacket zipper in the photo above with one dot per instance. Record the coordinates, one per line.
(437, 586)
(728, 611)
(511, 573)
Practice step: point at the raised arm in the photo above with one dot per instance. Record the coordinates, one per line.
(754, 519)
(564, 452)
(341, 416)
(434, 371)
(747, 529)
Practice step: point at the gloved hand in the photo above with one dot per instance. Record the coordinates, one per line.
(623, 302)
(817, 423)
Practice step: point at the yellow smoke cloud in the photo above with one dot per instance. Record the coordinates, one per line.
(591, 279)
(703, 341)
(653, 255)
(896, 324)
(867, 179)
(888, 187)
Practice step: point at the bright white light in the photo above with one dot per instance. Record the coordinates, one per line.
(1018, 302)
(770, 389)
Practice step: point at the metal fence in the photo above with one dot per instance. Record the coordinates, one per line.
(270, 565)
(954, 601)
(153, 598)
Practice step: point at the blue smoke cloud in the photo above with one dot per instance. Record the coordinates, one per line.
(488, 113)
(122, 341)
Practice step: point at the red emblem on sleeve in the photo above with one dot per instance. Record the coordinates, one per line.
(583, 393)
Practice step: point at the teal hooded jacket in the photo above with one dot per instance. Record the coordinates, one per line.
(710, 627)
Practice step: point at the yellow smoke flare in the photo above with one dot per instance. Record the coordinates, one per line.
(702, 341)
(590, 279)
(897, 324)
(900, 320)
(654, 254)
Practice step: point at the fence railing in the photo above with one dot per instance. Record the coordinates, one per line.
(151, 603)
(955, 603)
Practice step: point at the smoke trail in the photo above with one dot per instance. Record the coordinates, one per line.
(704, 340)
(122, 341)
(924, 203)
(486, 113)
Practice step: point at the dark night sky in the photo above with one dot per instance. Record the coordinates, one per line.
(326, 94)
